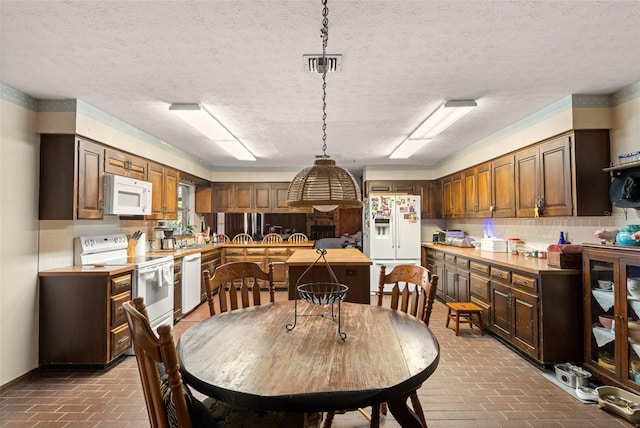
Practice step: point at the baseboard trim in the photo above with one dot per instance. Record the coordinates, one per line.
(12, 384)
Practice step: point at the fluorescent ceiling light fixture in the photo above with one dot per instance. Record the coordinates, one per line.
(196, 116)
(407, 148)
(442, 118)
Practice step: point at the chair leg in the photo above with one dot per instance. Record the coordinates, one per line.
(328, 420)
(480, 323)
(417, 408)
(457, 322)
(375, 416)
(383, 408)
(448, 318)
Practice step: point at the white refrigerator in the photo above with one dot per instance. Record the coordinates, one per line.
(391, 234)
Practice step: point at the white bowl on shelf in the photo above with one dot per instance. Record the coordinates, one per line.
(604, 284)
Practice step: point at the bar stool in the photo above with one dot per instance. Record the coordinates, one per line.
(464, 313)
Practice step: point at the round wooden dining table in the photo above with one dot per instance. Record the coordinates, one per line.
(248, 358)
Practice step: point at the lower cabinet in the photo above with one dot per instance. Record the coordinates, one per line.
(528, 305)
(480, 288)
(210, 261)
(263, 255)
(514, 316)
(456, 278)
(177, 289)
(81, 318)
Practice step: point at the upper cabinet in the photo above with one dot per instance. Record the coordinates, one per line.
(409, 187)
(502, 187)
(477, 191)
(245, 197)
(164, 201)
(453, 196)
(429, 195)
(120, 163)
(204, 199)
(563, 176)
(71, 178)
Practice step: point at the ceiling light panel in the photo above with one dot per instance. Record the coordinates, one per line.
(407, 148)
(442, 118)
(198, 117)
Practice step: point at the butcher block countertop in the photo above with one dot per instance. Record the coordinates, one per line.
(334, 256)
(88, 271)
(532, 265)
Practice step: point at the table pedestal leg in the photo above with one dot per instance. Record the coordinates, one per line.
(403, 414)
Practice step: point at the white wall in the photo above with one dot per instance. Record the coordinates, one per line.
(19, 160)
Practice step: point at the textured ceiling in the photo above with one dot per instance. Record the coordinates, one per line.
(243, 61)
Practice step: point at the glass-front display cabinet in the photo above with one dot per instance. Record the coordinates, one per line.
(611, 277)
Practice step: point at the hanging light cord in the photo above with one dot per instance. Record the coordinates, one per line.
(325, 38)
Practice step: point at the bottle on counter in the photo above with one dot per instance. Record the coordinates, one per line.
(562, 241)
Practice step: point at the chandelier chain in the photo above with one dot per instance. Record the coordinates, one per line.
(325, 38)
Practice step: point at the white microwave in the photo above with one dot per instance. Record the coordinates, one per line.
(126, 196)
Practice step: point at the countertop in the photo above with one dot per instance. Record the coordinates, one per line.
(177, 254)
(88, 271)
(334, 256)
(532, 265)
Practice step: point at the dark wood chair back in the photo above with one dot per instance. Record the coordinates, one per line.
(151, 350)
(237, 285)
(418, 302)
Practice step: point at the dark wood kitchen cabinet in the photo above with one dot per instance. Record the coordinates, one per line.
(125, 164)
(408, 187)
(71, 178)
(429, 195)
(477, 191)
(531, 307)
(480, 288)
(251, 197)
(211, 259)
(204, 199)
(81, 317)
(222, 197)
(612, 355)
(503, 193)
(514, 312)
(164, 200)
(563, 176)
(456, 278)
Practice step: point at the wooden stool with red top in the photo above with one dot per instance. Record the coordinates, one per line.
(464, 313)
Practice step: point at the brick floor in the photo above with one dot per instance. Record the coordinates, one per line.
(479, 383)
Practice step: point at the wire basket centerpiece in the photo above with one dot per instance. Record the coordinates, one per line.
(321, 294)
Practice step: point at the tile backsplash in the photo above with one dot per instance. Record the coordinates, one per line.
(537, 233)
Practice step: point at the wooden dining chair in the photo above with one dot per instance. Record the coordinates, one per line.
(272, 238)
(242, 238)
(237, 285)
(298, 238)
(169, 401)
(417, 302)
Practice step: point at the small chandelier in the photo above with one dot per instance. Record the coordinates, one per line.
(324, 186)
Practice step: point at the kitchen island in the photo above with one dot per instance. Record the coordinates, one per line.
(351, 267)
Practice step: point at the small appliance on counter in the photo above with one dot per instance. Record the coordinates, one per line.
(460, 242)
(493, 245)
(444, 236)
(163, 239)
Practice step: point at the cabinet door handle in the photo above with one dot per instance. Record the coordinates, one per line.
(124, 339)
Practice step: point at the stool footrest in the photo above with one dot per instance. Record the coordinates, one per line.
(464, 313)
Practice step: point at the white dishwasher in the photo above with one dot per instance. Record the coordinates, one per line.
(190, 282)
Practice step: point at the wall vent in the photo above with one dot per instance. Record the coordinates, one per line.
(314, 63)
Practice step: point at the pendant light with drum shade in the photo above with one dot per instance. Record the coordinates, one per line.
(324, 186)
